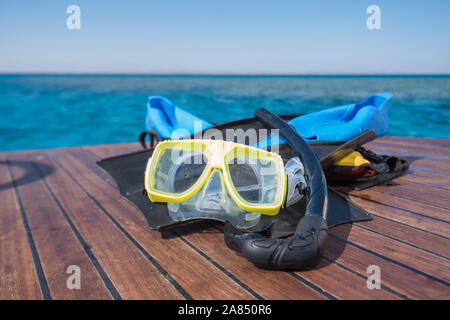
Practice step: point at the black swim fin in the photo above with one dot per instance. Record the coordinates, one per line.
(128, 172)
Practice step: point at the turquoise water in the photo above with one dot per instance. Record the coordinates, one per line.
(54, 111)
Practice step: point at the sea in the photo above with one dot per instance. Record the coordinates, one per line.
(46, 111)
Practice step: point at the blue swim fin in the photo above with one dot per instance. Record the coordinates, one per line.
(333, 124)
(341, 123)
(170, 121)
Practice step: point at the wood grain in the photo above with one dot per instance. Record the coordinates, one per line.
(56, 243)
(18, 278)
(286, 288)
(394, 201)
(393, 275)
(273, 284)
(132, 274)
(422, 261)
(190, 269)
(404, 233)
(74, 215)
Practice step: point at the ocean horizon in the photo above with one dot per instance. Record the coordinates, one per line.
(45, 110)
(231, 75)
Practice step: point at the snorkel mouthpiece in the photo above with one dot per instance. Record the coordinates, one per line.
(301, 251)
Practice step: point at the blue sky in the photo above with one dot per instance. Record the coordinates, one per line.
(231, 37)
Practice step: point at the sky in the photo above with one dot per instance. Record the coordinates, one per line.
(225, 37)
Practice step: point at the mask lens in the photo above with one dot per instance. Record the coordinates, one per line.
(245, 179)
(178, 169)
(188, 172)
(255, 177)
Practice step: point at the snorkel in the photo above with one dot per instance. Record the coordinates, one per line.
(305, 247)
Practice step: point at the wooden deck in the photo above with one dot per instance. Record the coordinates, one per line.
(57, 209)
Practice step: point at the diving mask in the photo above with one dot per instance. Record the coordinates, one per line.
(216, 179)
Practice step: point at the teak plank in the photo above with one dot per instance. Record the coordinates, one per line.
(332, 277)
(111, 150)
(268, 284)
(420, 178)
(194, 273)
(419, 238)
(402, 216)
(56, 243)
(393, 201)
(413, 146)
(417, 162)
(413, 191)
(18, 277)
(326, 276)
(393, 275)
(131, 273)
(422, 261)
(445, 143)
(411, 149)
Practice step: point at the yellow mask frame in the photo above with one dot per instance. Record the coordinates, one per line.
(218, 154)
